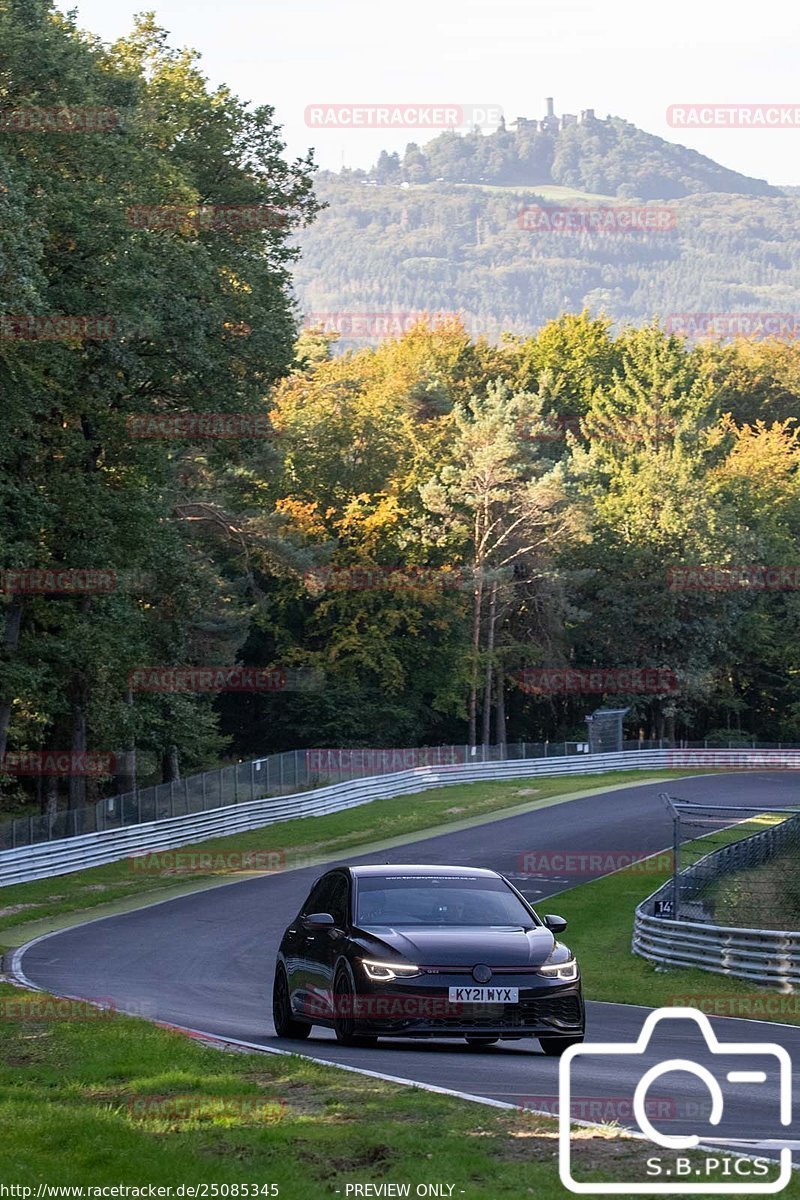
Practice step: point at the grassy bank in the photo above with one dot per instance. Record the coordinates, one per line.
(293, 843)
(97, 1102)
(767, 896)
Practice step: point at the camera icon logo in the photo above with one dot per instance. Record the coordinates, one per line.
(689, 1178)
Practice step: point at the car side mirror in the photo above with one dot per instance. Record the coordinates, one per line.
(555, 924)
(319, 921)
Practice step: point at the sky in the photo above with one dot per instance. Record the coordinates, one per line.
(623, 57)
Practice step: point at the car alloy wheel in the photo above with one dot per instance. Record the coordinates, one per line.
(285, 1024)
(344, 1026)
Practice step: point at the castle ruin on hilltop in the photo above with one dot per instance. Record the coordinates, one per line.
(550, 123)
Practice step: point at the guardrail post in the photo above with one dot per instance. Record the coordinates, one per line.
(676, 867)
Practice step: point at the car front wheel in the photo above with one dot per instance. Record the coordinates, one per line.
(344, 1025)
(285, 1024)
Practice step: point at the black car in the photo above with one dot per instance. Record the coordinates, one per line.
(422, 952)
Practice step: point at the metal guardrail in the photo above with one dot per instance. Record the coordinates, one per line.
(47, 859)
(764, 956)
(274, 775)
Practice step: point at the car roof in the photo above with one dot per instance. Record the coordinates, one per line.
(378, 869)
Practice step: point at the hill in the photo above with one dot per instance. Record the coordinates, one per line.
(605, 157)
(456, 227)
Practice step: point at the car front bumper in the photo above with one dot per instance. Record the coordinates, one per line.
(412, 1009)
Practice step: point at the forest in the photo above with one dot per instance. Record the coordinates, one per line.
(221, 537)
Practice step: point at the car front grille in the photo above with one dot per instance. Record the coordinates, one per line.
(540, 1011)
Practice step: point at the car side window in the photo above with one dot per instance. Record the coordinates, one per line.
(338, 897)
(315, 901)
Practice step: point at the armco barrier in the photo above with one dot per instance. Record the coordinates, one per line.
(765, 956)
(46, 859)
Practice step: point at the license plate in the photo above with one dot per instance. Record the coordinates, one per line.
(483, 995)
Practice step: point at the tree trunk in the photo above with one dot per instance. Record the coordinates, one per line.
(487, 687)
(476, 648)
(170, 765)
(500, 733)
(51, 802)
(670, 725)
(13, 624)
(78, 741)
(125, 777)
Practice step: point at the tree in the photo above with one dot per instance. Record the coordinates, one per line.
(504, 508)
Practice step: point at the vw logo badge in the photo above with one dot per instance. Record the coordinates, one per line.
(481, 973)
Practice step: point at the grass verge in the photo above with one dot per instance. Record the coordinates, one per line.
(94, 1102)
(307, 839)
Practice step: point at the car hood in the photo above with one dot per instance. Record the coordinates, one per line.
(501, 946)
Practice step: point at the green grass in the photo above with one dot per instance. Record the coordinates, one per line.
(767, 897)
(102, 1101)
(299, 841)
(600, 916)
(547, 191)
(97, 1102)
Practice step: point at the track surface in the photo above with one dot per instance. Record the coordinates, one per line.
(206, 961)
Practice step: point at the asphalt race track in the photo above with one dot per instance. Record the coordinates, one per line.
(205, 961)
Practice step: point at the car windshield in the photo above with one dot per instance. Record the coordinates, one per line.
(438, 900)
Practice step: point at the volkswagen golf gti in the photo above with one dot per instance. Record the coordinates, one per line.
(426, 952)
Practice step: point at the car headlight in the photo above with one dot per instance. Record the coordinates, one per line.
(567, 970)
(385, 972)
